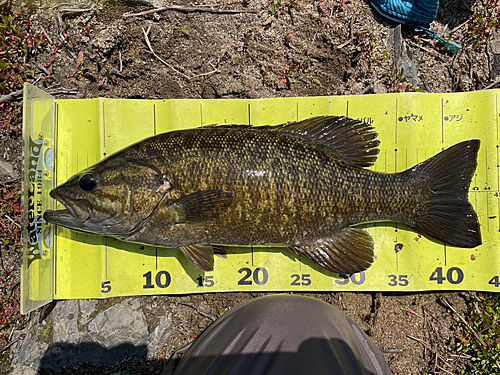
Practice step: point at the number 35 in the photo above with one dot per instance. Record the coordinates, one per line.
(401, 280)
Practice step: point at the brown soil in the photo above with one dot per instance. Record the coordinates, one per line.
(247, 55)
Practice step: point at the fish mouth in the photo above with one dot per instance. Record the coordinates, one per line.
(77, 211)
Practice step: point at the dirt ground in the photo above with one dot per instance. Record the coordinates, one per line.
(283, 48)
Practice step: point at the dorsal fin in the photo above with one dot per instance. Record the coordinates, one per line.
(354, 140)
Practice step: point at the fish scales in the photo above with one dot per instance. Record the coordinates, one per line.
(301, 185)
(272, 175)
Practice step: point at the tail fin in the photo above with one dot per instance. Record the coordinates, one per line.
(448, 216)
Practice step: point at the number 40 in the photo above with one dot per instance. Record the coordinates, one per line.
(494, 281)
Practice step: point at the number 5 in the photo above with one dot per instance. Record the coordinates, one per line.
(106, 287)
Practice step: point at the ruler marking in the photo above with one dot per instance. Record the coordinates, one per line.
(297, 114)
(154, 118)
(56, 144)
(55, 259)
(442, 120)
(475, 198)
(445, 256)
(251, 248)
(395, 160)
(498, 172)
(488, 210)
(347, 110)
(396, 125)
(397, 258)
(249, 115)
(106, 256)
(486, 153)
(385, 161)
(104, 125)
(498, 216)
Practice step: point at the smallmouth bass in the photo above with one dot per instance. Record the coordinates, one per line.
(303, 185)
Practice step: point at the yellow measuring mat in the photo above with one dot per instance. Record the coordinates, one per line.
(62, 137)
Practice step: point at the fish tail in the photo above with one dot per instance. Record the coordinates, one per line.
(447, 214)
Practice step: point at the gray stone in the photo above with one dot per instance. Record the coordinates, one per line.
(493, 50)
(159, 337)
(408, 64)
(87, 307)
(115, 334)
(31, 349)
(402, 55)
(65, 319)
(121, 323)
(7, 170)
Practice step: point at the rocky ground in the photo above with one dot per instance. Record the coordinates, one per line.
(272, 48)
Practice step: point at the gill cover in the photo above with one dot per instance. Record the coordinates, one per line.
(115, 197)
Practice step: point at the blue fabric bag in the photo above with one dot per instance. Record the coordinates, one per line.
(417, 13)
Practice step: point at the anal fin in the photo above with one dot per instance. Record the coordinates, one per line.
(348, 251)
(202, 256)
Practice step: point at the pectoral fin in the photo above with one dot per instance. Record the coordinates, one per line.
(202, 205)
(202, 256)
(349, 251)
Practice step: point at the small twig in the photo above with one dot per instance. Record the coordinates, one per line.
(367, 90)
(491, 325)
(201, 312)
(204, 74)
(71, 10)
(492, 85)
(426, 345)
(46, 35)
(158, 57)
(419, 340)
(9, 345)
(433, 317)
(392, 351)
(465, 322)
(204, 8)
(466, 356)
(437, 54)
(36, 79)
(46, 71)
(442, 369)
(351, 34)
(120, 59)
(61, 91)
(460, 26)
(1, 261)
(448, 24)
(15, 285)
(10, 181)
(11, 96)
(8, 217)
(116, 72)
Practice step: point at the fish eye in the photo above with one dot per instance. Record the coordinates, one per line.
(88, 182)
